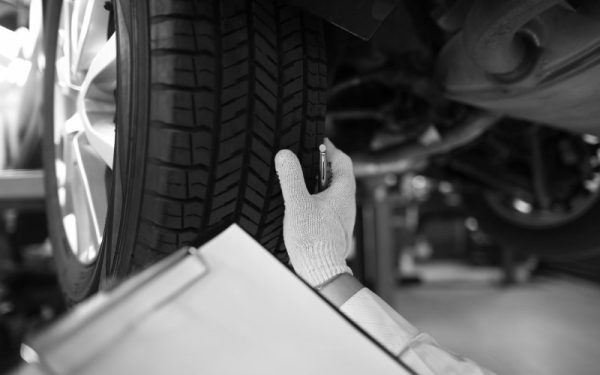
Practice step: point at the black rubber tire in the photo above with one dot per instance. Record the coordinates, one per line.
(208, 92)
(577, 239)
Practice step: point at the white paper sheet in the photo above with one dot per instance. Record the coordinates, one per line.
(246, 314)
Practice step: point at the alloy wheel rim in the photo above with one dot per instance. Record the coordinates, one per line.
(84, 127)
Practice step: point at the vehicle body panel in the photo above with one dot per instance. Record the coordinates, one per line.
(361, 18)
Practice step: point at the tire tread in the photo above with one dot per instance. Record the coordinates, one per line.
(232, 83)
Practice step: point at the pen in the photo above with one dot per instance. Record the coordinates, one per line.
(323, 179)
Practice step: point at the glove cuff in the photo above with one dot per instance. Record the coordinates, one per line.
(320, 263)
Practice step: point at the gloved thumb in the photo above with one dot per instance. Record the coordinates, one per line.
(291, 177)
(343, 183)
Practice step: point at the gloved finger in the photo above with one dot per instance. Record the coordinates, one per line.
(291, 177)
(342, 179)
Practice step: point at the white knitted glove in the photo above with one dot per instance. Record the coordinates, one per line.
(317, 229)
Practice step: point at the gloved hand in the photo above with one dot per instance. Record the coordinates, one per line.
(317, 229)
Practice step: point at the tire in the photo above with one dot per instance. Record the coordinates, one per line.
(573, 240)
(207, 92)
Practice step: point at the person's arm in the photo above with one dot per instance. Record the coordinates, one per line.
(317, 231)
(418, 350)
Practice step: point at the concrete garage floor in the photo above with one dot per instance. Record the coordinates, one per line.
(548, 326)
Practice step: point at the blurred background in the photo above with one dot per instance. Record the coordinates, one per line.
(457, 238)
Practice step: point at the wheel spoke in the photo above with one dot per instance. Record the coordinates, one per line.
(84, 129)
(73, 125)
(90, 33)
(70, 225)
(89, 195)
(95, 104)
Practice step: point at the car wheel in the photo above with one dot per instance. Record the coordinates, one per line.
(162, 122)
(564, 229)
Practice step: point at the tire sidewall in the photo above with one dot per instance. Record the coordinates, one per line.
(133, 79)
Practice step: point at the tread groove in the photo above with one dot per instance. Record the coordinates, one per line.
(250, 107)
(233, 82)
(217, 122)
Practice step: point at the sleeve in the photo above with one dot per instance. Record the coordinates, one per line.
(418, 350)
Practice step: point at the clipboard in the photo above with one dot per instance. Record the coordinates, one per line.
(228, 307)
